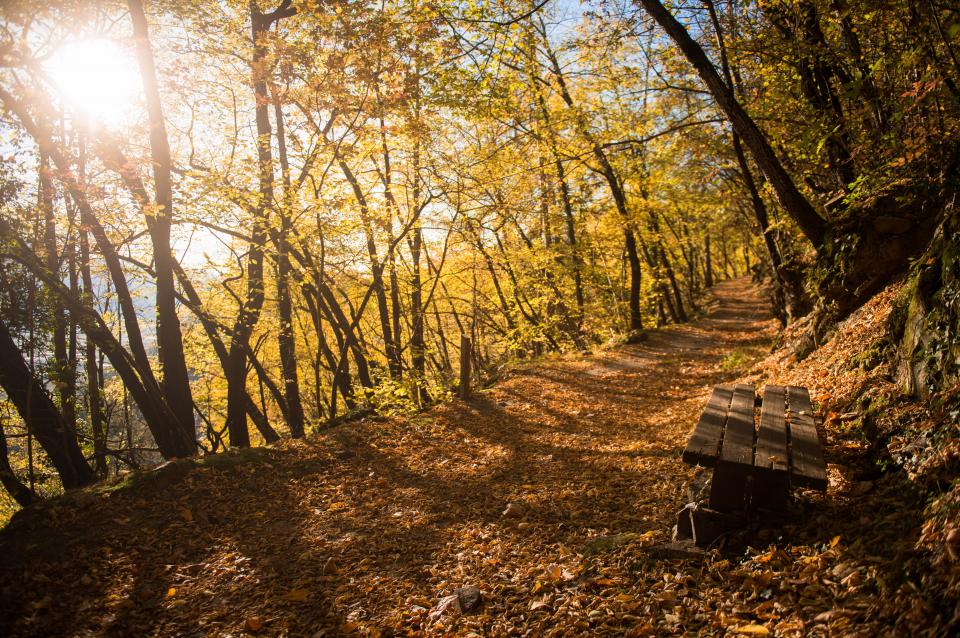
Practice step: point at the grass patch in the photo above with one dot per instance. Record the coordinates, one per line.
(740, 359)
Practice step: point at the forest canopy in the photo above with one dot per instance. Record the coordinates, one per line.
(223, 224)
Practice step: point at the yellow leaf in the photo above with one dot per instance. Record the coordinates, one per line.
(171, 592)
(536, 587)
(296, 595)
(555, 572)
(835, 541)
(623, 598)
(752, 630)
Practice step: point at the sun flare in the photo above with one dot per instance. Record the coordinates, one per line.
(97, 78)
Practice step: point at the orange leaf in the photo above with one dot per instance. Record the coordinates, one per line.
(555, 572)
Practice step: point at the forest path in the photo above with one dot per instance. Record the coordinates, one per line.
(363, 529)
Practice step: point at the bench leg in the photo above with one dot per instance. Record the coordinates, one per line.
(769, 490)
(704, 525)
(729, 485)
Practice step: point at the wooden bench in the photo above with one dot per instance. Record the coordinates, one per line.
(756, 468)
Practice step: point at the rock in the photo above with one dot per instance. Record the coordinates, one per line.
(464, 600)
(514, 510)
(469, 598)
(444, 605)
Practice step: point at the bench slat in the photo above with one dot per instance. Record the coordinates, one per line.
(728, 488)
(704, 444)
(809, 467)
(771, 451)
(738, 438)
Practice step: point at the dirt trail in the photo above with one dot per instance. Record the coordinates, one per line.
(362, 530)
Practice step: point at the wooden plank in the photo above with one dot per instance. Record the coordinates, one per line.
(735, 463)
(771, 459)
(738, 438)
(704, 444)
(771, 451)
(808, 467)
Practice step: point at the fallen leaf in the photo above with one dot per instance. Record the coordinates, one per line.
(554, 572)
(296, 595)
(751, 630)
(646, 629)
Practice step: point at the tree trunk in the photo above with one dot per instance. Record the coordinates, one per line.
(63, 376)
(98, 425)
(286, 341)
(379, 288)
(791, 199)
(174, 378)
(249, 314)
(708, 263)
(40, 415)
(417, 345)
(15, 488)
